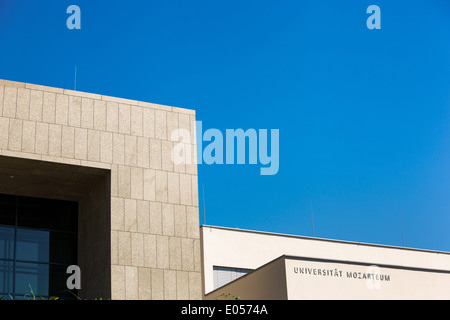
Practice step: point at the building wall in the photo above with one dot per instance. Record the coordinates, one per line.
(297, 278)
(154, 245)
(236, 248)
(310, 279)
(94, 240)
(266, 283)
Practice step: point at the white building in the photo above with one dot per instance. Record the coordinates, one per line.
(255, 265)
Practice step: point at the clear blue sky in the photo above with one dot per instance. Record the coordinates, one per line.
(364, 115)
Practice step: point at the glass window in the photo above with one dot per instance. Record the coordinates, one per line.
(6, 243)
(7, 210)
(57, 284)
(223, 275)
(38, 241)
(31, 278)
(6, 277)
(32, 245)
(54, 215)
(63, 248)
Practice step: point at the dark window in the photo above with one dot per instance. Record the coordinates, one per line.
(7, 210)
(38, 241)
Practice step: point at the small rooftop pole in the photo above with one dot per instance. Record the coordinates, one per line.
(403, 234)
(204, 209)
(75, 82)
(312, 216)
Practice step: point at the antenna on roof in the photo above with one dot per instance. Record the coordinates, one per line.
(401, 223)
(204, 209)
(403, 236)
(312, 216)
(75, 82)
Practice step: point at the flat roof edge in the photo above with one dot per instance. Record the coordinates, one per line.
(82, 94)
(326, 240)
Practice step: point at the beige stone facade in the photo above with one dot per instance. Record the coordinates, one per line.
(138, 211)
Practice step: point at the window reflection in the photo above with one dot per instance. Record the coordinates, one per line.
(6, 277)
(32, 277)
(38, 241)
(32, 245)
(6, 243)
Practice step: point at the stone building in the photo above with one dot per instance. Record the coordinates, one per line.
(136, 221)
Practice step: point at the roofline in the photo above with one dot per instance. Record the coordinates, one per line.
(325, 240)
(95, 96)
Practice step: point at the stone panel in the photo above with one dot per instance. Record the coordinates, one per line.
(145, 284)
(49, 107)
(170, 285)
(157, 278)
(23, 104)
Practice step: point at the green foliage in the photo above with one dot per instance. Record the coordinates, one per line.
(34, 297)
(78, 298)
(228, 296)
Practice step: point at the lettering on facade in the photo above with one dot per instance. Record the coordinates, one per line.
(337, 273)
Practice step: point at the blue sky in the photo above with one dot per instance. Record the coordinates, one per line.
(364, 115)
